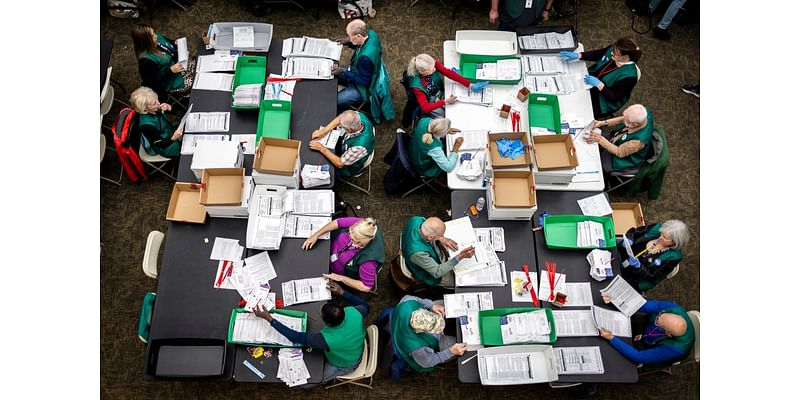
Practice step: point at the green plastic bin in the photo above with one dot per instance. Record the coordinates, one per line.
(544, 112)
(249, 70)
(489, 324)
(561, 231)
(468, 64)
(290, 313)
(274, 119)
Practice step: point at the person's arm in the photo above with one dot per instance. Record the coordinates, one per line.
(427, 358)
(329, 227)
(427, 263)
(592, 55)
(313, 340)
(620, 89)
(451, 74)
(623, 150)
(655, 306)
(325, 130)
(494, 11)
(154, 136)
(352, 155)
(446, 162)
(357, 302)
(656, 354)
(423, 102)
(353, 283)
(364, 76)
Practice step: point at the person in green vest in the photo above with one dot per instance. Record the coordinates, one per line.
(667, 335)
(342, 338)
(158, 62)
(657, 250)
(517, 14)
(426, 79)
(364, 64)
(417, 334)
(628, 143)
(353, 149)
(425, 248)
(427, 150)
(612, 77)
(357, 251)
(159, 135)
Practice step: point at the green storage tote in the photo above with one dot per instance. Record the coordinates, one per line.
(290, 313)
(249, 70)
(544, 112)
(274, 119)
(468, 65)
(561, 231)
(489, 324)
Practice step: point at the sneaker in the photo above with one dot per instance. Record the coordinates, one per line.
(400, 130)
(693, 90)
(661, 34)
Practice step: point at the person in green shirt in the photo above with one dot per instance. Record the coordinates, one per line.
(517, 14)
(427, 151)
(353, 148)
(361, 74)
(627, 145)
(159, 134)
(158, 62)
(424, 250)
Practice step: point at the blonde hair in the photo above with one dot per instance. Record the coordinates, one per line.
(436, 129)
(420, 62)
(142, 98)
(363, 231)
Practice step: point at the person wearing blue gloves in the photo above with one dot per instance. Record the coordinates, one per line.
(612, 77)
(426, 78)
(657, 250)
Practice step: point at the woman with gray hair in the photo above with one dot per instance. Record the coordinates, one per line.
(657, 250)
(427, 150)
(427, 84)
(159, 135)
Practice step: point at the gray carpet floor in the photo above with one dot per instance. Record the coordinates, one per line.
(129, 212)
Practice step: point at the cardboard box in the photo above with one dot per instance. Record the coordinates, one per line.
(277, 156)
(216, 154)
(222, 186)
(513, 189)
(184, 204)
(506, 214)
(495, 43)
(626, 216)
(238, 210)
(291, 182)
(554, 152)
(500, 162)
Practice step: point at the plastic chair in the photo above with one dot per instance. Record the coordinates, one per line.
(117, 182)
(107, 94)
(146, 315)
(157, 162)
(150, 260)
(694, 354)
(674, 272)
(369, 362)
(368, 169)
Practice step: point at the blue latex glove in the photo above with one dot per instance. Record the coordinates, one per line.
(478, 86)
(568, 55)
(592, 81)
(634, 262)
(456, 70)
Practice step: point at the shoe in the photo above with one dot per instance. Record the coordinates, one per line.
(400, 130)
(693, 90)
(661, 34)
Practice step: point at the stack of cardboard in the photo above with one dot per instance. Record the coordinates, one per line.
(277, 162)
(511, 195)
(226, 192)
(214, 154)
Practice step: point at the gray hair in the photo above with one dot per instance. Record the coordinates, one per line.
(349, 120)
(142, 98)
(433, 226)
(637, 114)
(439, 127)
(677, 231)
(419, 62)
(357, 27)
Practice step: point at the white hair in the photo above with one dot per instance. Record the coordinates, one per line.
(142, 98)
(439, 127)
(418, 63)
(636, 114)
(677, 231)
(349, 120)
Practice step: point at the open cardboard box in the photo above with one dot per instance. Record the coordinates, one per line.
(515, 189)
(277, 156)
(626, 216)
(222, 186)
(184, 204)
(500, 162)
(554, 152)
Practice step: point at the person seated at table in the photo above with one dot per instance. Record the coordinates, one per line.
(425, 78)
(425, 251)
(342, 338)
(612, 77)
(417, 333)
(657, 250)
(158, 132)
(364, 64)
(353, 149)
(626, 145)
(427, 150)
(356, 251)
(158, 62)
(517, 14)
(663, 334)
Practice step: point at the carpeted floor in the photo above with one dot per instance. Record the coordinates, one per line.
(129, 212)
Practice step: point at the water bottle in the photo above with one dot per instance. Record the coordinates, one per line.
(480, 203)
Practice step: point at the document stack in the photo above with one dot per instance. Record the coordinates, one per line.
(303, 226)
(309, 290)
(292, 369)
(247, 95)
(307, 68)
(590, 234)
(465, 307)
(547, 41)
(516, 365)
(311, 47)
(600, 264)
(271, 208)
(503, 70)
(525, 327)
(216, 154)
(315, 175)
(249, 328)
(189, 142)
(484, 268)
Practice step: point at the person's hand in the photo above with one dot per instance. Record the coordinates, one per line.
(458, 349)
(449, 244)
(438, 309)
(344, 42)
(176, 68)
(593, 137)
(309, 243)
(478, 86)
(453, 131)
(605, 297)
(336, 70)
(634, 262)
(466, 253)
(450, 100)
(591, 81)
(165, 107)
(545, 15)
(493, 14)
(606, 334)
(177, 135)
(569, 55)
(334, 287)
(318, 133)
(316, 145)
(457, 144)
(599, 124)
(262, 312)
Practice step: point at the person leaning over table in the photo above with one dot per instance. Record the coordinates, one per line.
(659, 249)
(425, 251)
(357, 251)
(627, 144)
(351, 151)
(417, 326)
(427, 150)
(519, 13)
(612, 77)
(160, 133)
(342, 338)
(364, 64)
(425, 78)
(158, 62)
(668, 334)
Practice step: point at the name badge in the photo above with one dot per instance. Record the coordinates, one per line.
(625, 136)
(528, 3)
(334, 257)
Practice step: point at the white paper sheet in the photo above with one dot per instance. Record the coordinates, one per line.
(305, 291)
(578, 360)
(278, 88)
(596, 205)
(618, 323)
(199, 122)
(310, 202)
(484, 97)
(216, 63)
(458, 304)
(213, 81)
(518, 292)
(526, 327)
(331, 138)
(307, 68)
(311, 47)
(226, 249)
(303, 226)
(579, 294)
(624, 296)
(473, 139)
(495, 236)
(260, 267)
(223, 277)
(244, 37)
(507, 367)
(560, 285)
(183, 51)
(571, 323)
(189, 141)
(470, 331)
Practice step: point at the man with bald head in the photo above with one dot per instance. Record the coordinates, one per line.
(363, 70)
(353, 148)
(667, 337)
(424, 250)
(627, 144)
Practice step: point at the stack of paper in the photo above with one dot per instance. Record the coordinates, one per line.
(554, 84)
(559, 286)
(495, 236)
(578, 360)
(507, 369)
(624, 296)
(228, 252)
(279, 88)
(311, 47)
(473, 139)
(305, 291)
(331, 138)
(247, 95)
(216, 63)
(540, 65)
(207, 122)
(189, 141)
(503, 70)
(303, 226)
(292, 369)
(315, 175)
(575, 323)
(526, 327)
(618, 323)
(310, 202)
(548, 40)
(456, 305)
(600, 264)
(213, 81)
(250, 328)
(484, 97)
(590, 234)
(307, 68)
(267, 222)
(244, 37)
(482, 269)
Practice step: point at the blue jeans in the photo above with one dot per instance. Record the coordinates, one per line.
(330, 371)
(348, 96)
(671, 12)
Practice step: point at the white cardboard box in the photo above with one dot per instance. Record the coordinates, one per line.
(542, 363)
(291, 182)
(214, 154)
(490, 43)
(235, 211)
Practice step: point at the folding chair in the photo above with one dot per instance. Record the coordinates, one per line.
(368, 169)
(157, 162)
(650, 174)
(368, 365)
(117, 182)
(691, 358)
(402, 152)
(150, 259)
